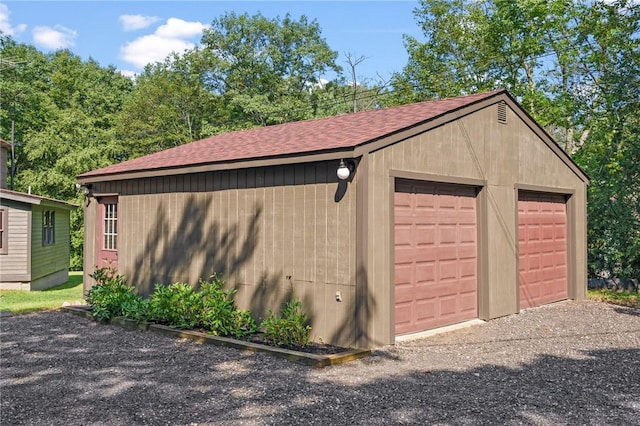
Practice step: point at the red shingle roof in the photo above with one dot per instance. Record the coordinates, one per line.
(301, 137)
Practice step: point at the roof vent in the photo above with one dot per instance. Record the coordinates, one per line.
(502, 112)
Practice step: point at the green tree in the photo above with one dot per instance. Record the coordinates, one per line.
(169, 106)
(264, 69)
(609, 46)
(64, 110)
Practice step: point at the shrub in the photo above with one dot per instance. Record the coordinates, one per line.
(135, 307)
(288, 329)
(112, 296)
(219, 313)
(177, 305)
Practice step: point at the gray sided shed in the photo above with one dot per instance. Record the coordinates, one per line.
(456, 209)
(30, 260)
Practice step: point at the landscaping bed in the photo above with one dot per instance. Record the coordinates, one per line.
(313, 354)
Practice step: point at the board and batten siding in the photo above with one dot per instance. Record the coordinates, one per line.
(267, 231)
(496, 158)
(53, 258)
(14, 266)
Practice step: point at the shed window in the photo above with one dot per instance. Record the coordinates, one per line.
(110, 227)
(3, 232)
(48, 227)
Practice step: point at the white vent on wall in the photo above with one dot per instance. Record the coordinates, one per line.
(502, 112)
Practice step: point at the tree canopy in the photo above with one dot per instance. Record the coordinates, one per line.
(574, 66)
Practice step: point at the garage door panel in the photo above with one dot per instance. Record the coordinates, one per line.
(443, 250)
(403, 314)
(424, 254)
(448, 306)
(405, 295)
(404, 274)
(404, 254)
(467, 285)
(467, 234)
(542, 248)
(468, 301)
(448, 234)
(425, 272)
(426, 309)
(468, 269)
(447, 269)
(425, 234)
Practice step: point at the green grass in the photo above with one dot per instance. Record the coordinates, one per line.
(22, 302)
(625, 298)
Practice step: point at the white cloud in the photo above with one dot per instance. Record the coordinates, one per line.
(58, 37)
(175, 36)
(152, 48)
(137, 22)
(5, 22)
(177, 28)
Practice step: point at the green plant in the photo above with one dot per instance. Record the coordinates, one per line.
(219, 313)
(135, 307)
(288, 329)
(177, 305)
(110, 294)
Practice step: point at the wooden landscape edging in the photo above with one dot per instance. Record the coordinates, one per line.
(314, 360)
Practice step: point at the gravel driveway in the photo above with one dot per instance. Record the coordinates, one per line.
(567, 363)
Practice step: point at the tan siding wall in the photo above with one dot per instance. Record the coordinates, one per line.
(268, 231)
(473, 147)
(47, 259)
(16, 261)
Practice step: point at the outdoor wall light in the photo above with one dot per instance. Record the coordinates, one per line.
(86, 189)
(345, 170)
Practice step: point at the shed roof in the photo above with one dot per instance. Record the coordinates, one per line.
(347, 133)
(21, 197)
(301, 137)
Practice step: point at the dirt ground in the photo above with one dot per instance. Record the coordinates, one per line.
(566, 363)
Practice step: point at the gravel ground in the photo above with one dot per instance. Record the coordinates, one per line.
(567, 363)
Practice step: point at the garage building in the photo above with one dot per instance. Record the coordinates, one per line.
(444, 211)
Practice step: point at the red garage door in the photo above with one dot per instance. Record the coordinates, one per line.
(542, 248)
(435, 255)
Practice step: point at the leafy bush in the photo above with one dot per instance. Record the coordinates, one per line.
(177, 305)
(136, 308)
(288, 329)
(180, 306)
(113, 297)
(219, 313)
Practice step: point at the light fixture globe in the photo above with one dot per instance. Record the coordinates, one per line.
(343, 171)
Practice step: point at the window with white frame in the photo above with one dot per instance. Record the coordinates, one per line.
(110, 229)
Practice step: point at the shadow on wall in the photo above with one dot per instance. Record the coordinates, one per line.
(357, 329)
(190, 246)
(189, 250)
(173, 253)
(271, 294)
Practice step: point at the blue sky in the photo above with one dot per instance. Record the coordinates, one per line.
(129, 34)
